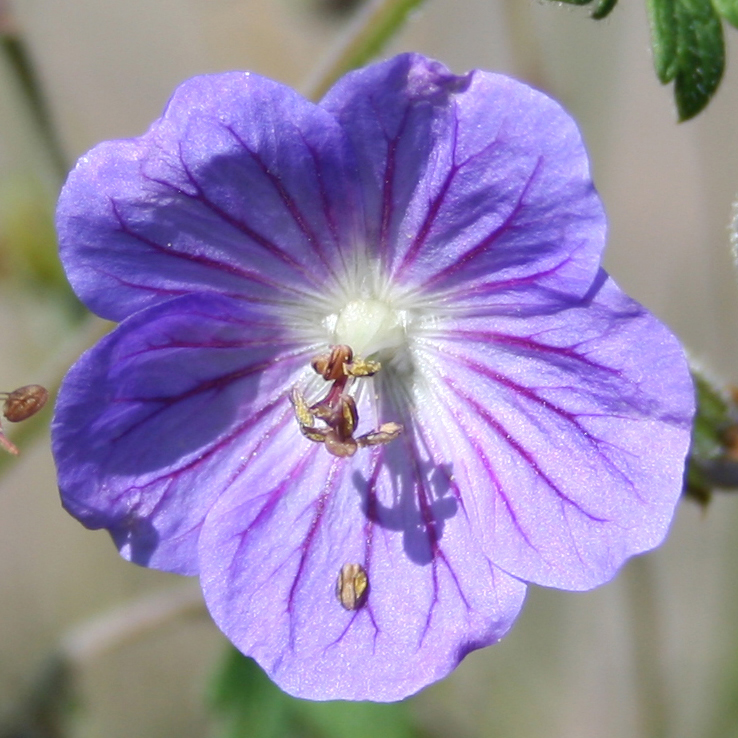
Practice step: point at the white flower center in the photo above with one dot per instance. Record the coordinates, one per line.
(372, 328)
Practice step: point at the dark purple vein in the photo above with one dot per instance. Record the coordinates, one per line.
(515, 343)
(200, 259)
(288, 202)
(433, 210)
(237, 224)
(494, 425)
(474, 251)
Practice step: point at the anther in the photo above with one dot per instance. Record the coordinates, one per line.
(361, 368)
(340, 447)
(305, 418)
(330, 366)
(352, 586)
(24, 402)
(337, 410)
(384, 434)
(21, 404)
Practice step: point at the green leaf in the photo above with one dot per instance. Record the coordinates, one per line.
(603, 9)
(248, 705)
(728, 9)
(246, 702)
(701, 53)
(688, 47)
(662, 18)
(356, 719)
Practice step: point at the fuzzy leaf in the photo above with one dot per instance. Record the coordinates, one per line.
(602, 7)
(728, 9)
(662, 16)
(688, 47)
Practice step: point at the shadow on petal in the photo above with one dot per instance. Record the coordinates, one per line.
(420, 499)
(136, 538)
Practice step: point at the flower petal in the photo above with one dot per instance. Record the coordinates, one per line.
(478, 185)
(567, 433)
(270, 564)
(211, 199)
(151, 422)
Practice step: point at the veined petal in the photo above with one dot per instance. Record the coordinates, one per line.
(567, 433)
(270, 563)
(414, 265)
(211, 199)
(476, 185)
(151, 422)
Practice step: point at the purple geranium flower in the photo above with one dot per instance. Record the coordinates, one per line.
(369, 378)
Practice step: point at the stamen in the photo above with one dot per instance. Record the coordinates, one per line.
(302, 411)
(331, 366)
(340, 447)
(21, 404)
(24, 402)
(384, 434)
(338, 409)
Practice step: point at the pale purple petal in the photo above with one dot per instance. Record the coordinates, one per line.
(479, 185)
(151, 422)
(563, 430)
(270, 562)
(210, 199)
(447, 227)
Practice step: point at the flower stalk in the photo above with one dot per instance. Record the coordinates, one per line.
(368, 33)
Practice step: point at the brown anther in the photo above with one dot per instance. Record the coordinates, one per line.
(349, 417)
(342, 416)
(338, 408)
(304, 416)
(330, 366)
(352, 586)
(386, 433)
(314, 434)
(340, 446)
(24, 402)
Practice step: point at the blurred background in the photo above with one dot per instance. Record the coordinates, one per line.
(654, 653)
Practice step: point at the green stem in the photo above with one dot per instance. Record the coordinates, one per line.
(365, 37)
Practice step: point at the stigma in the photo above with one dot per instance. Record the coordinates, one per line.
(333, 420)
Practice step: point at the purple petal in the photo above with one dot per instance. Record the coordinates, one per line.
(567, 433)
(446, 226)
(271, 551)
(152, 422)
(476, 184)
(211, 199)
